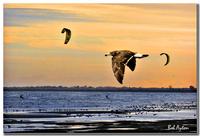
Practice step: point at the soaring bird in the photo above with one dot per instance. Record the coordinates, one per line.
(121, 58)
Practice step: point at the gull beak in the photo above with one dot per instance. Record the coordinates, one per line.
(145, 55)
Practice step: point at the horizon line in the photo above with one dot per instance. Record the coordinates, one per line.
(76, 86)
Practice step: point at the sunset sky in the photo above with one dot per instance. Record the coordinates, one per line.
(35, 53)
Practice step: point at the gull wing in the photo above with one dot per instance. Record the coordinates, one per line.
(131, 63)
(118, 69)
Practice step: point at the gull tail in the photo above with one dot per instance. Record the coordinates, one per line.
(139, 56)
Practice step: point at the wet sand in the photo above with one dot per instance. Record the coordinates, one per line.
(113, 127)
(60, 123)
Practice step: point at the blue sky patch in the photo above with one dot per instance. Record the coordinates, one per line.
(23, 16)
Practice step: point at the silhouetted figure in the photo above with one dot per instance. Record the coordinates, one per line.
(120, 59)
(21, 96)
(107, 97)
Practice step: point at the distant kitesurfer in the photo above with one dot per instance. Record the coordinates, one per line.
(68, 34)
(167, 56)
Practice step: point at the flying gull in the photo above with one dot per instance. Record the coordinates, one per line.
(121, 58)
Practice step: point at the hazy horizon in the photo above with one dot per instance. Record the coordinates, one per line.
(35, 53)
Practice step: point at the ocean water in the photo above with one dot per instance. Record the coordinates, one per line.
(65, 101)
(92, 106)
(54, 100)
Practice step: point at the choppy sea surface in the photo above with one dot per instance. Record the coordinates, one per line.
(96, 111)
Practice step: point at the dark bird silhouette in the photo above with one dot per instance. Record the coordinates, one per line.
(120, 59)
(167, 56)
(68, 34)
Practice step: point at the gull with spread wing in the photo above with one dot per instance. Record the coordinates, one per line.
(121, 58)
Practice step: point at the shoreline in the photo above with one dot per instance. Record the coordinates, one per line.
(102, 89)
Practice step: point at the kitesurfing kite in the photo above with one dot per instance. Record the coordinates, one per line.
(167, 56)
(68, 34)
(121, 58)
